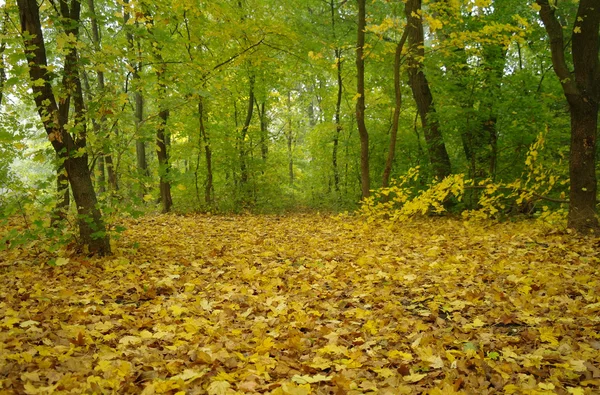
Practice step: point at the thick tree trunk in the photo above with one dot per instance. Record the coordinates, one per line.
(438, 155)
(397, 108)
(92, 230)
(582, 166)
(582, 91)
(365, 181)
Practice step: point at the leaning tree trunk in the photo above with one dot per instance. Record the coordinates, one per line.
(360, 102)
(92, 230)
(582, 91)
(397, 108)
(438, 155)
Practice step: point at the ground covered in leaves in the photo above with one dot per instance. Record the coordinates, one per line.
(306, 305)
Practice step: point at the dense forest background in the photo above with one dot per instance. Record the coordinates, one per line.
(270, 106)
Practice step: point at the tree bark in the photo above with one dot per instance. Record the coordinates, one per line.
(438, 155)
(360, 103)
(582, 91)
(92, 230)
(397, 108)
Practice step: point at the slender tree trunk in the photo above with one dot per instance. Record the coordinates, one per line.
(582, 91)
(208, 183)
(338, 122)
(290, 140)
(438, 155)
(360, 103)
(92, 230)
(106, 158)
(397, 108)
(140, 143)
(264, 131)
(245, 127)
(2, 49)
(338, 103)
(162, 144)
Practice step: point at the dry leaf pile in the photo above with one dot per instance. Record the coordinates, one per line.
(307, 305)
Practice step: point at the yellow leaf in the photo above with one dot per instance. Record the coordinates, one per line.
(218, 388)
(320, 363)
(177, 310)
(293, 389)
(267, 344)
(577, 29)
(547, 335)
(310, 379)
(415, 377)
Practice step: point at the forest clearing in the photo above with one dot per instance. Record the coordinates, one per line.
(307, 304)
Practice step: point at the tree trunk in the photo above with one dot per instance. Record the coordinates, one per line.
(245, 127)
(338, 103)
(106, 156)
(162, 143)
(264, 131)
(582, 166)
(438, 155)
(397, 108)
(583, 95)
(208, 183)
(290, 140)
(92, 230)
(140, 143)
(2, 49)
(360, 103)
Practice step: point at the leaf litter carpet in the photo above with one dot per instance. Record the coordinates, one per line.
(306, 304)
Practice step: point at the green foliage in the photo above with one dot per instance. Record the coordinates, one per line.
(406, 198)
(487, 62)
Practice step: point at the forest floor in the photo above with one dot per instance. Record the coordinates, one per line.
(307, 304)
